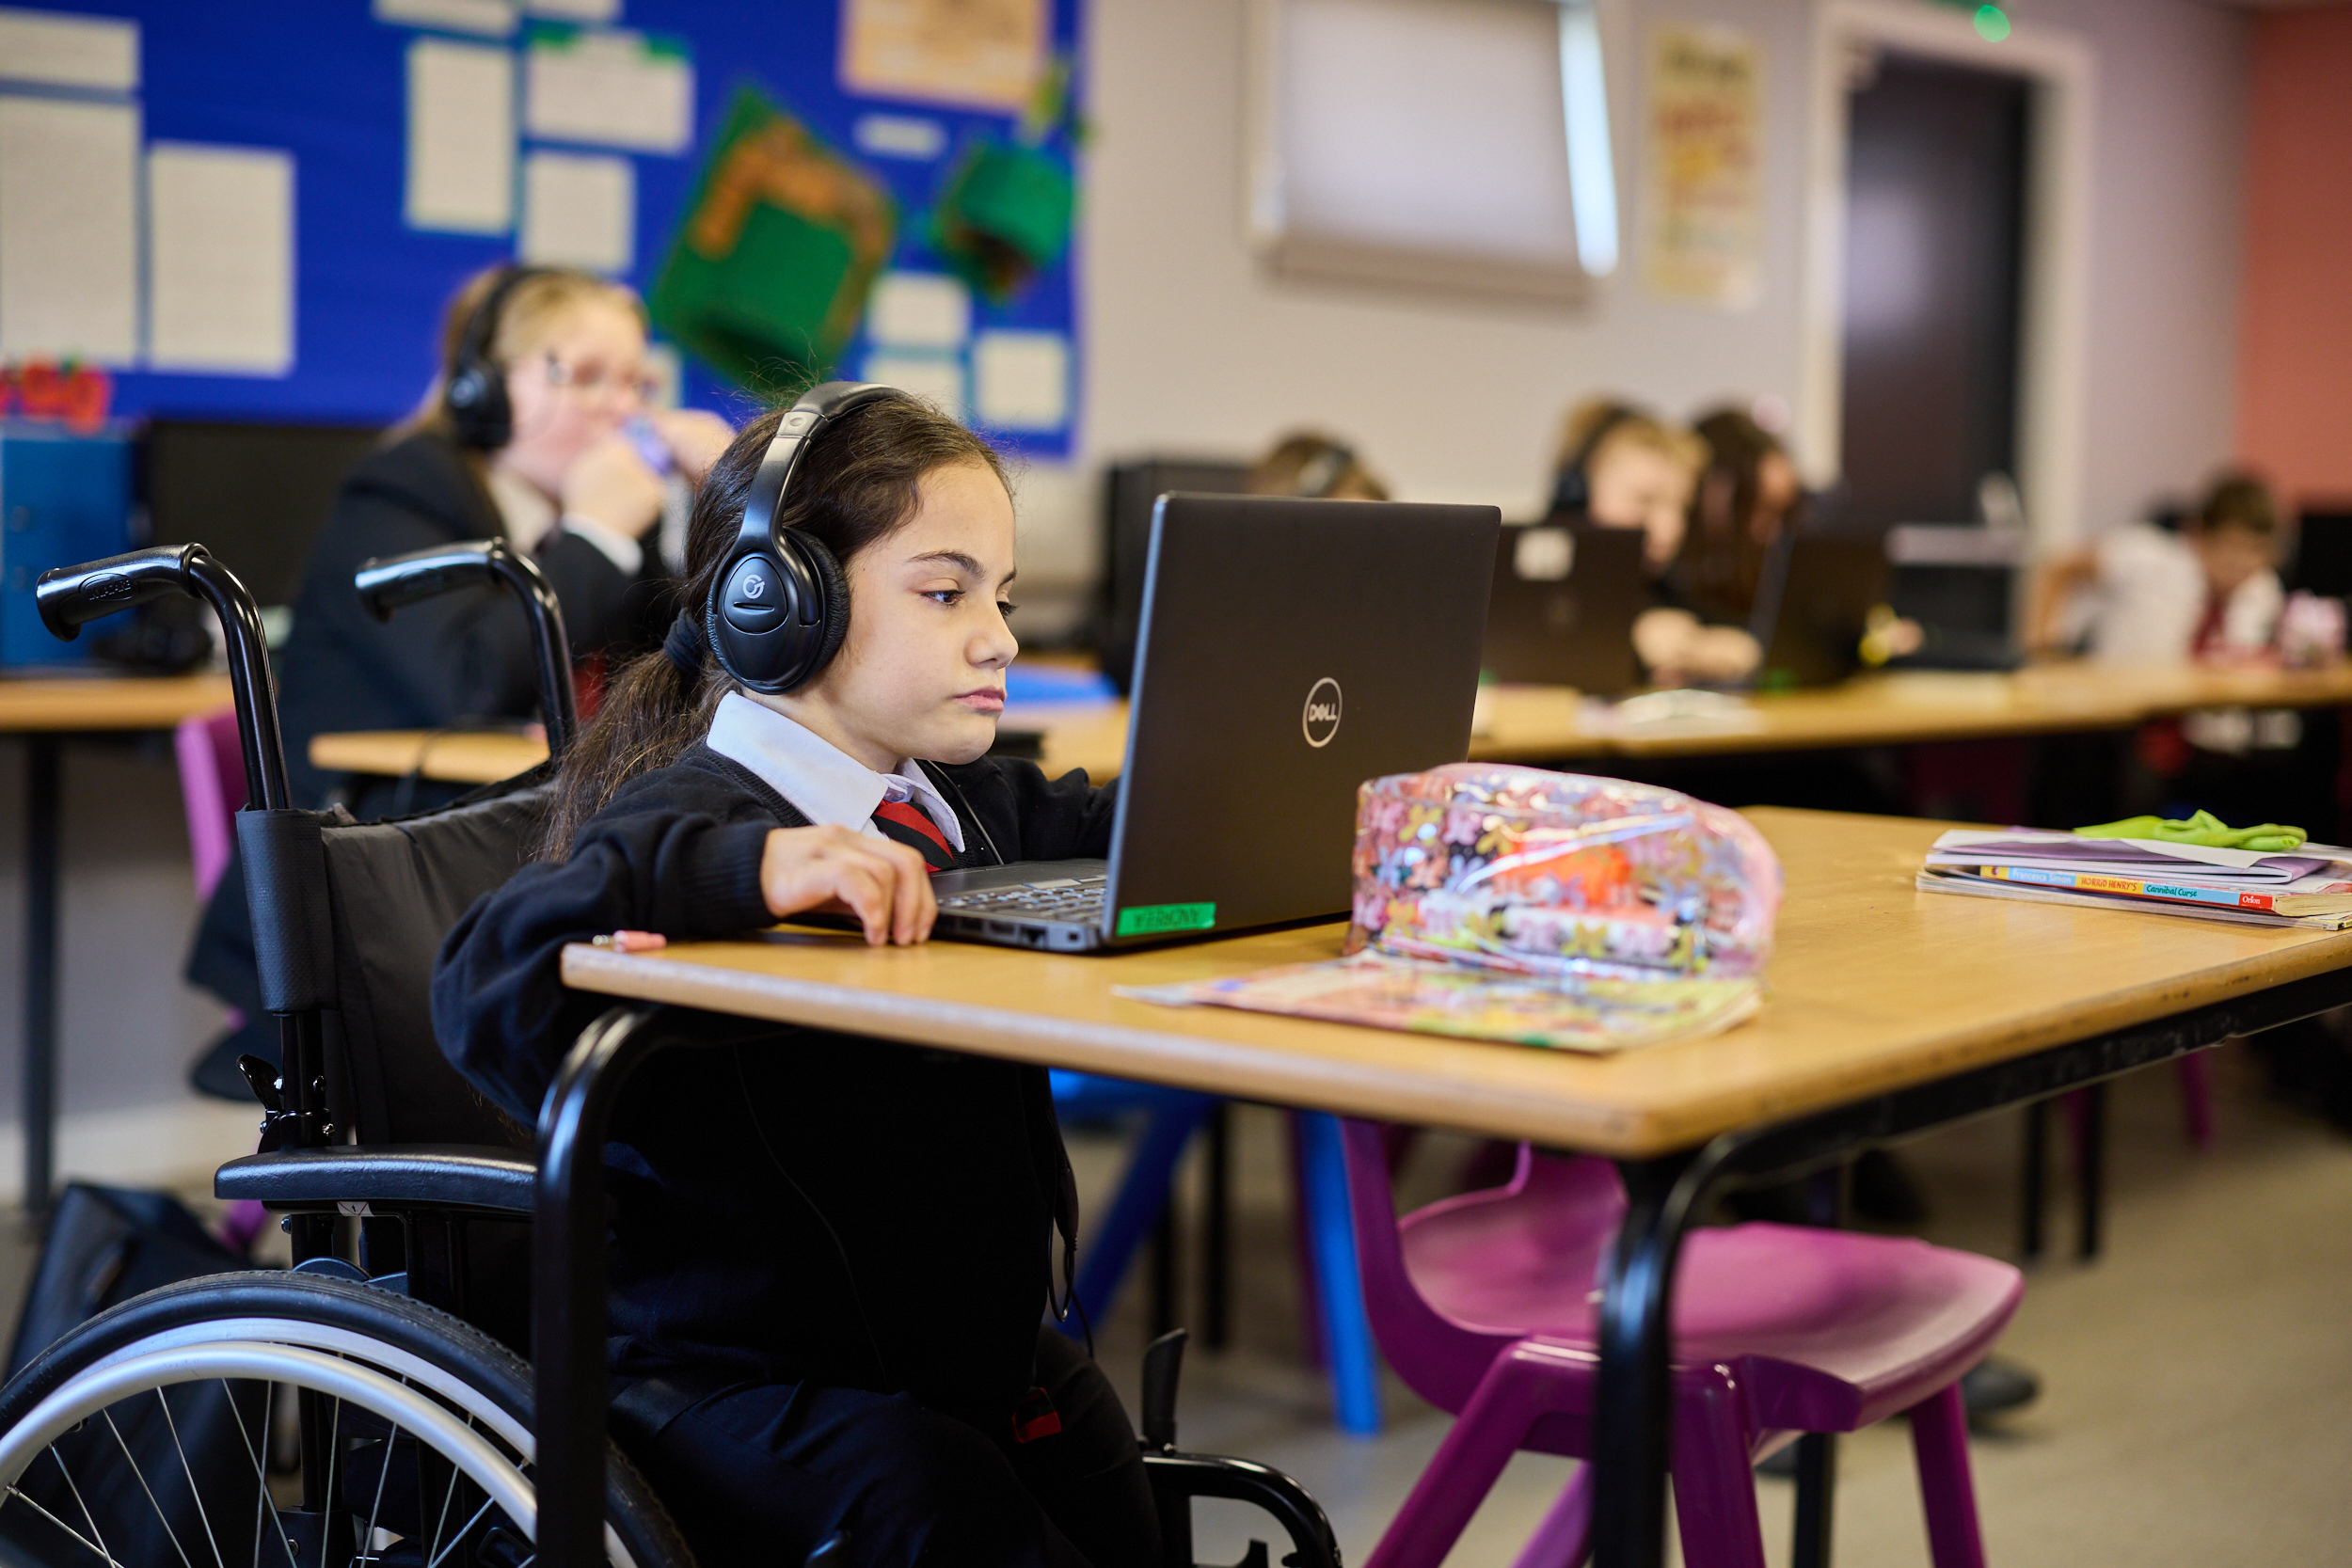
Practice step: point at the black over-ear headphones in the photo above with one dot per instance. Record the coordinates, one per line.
(1573, 490)
(780, 606)
(475, 400)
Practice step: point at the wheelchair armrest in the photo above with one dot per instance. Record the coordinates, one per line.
(1177, 1478)
(441, 1176)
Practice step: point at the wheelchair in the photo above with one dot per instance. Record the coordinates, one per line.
(371, 1406)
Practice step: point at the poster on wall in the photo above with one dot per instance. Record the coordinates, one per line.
(1703, 239)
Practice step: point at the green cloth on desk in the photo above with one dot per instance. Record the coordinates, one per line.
(2203, 830)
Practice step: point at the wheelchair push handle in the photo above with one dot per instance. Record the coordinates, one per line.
(388, 583)
(68, 598)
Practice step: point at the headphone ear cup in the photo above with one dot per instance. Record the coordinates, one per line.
(836, 586)
(477, 406)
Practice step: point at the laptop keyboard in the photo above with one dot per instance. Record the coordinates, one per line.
(1076, 899)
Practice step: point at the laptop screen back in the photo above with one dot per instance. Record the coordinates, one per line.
(1289, 650)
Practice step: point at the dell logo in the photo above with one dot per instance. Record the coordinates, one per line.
(1321, 720)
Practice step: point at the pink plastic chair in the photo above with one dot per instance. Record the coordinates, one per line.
(212, 792)
(1488, 1304)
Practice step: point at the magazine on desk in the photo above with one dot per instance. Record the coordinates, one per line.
(2310, 887)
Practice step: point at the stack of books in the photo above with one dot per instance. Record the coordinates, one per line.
(2310, 887)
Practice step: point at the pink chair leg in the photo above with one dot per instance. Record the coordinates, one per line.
(1565, 1536)
(1939, 1440)
(2196, 1077)
(1714, 1488)
(1527, 1381)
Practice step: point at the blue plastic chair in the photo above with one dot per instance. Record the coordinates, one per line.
(1172, 1115)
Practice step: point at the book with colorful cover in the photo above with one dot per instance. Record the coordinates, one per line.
(1591, 1015)
(2309, 886)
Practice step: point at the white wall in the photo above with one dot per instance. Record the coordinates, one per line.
(1192, 347)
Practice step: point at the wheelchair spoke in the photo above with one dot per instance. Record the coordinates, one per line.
(261, 1475)
(465, 1532)
(172, 1426)
(433, 1553)
(141, 1476)
(79, 1503)
(383, 1471)
(77, 1535)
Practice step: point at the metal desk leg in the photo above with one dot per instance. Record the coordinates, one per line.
(39, 1112)
(1816, 1451)
(1633, 1418)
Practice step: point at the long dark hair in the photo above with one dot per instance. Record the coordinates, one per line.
(856, 486)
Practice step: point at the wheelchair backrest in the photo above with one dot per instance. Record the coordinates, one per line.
(395, 889)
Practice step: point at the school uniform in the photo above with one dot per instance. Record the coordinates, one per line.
(461, 656)
(844, 1245)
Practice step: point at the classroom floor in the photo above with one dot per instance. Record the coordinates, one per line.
(2197, 1380)
(2196, 1403)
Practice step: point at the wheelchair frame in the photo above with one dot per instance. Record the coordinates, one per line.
(303, 1173)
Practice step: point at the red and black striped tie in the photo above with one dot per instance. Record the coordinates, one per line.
(908, 823)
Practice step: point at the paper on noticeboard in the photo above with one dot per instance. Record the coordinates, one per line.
(1021, 380)
(579, 210)
(491, 18)
(609, 89)
(220, 259)
(69, 230)
(461, 137)
(989, 54)
(1705, 233)
(96, 53)
(576, 10)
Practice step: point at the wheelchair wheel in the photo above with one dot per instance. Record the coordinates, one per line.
(145, 1438)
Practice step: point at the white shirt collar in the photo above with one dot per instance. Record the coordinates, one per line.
(825, 784)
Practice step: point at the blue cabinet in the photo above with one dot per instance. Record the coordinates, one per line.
(64, 498)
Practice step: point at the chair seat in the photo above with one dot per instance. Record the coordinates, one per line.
(1826, 1330)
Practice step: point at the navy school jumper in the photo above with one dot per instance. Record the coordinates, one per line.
(810, 1206)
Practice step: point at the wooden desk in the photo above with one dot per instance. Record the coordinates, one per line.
(1552, 724)
(1872, 986)
(457, 756)
(1889, 1010)
(45, 710)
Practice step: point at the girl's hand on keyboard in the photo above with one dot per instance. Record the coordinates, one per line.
(885, 885)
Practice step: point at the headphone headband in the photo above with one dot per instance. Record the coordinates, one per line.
(779, 607)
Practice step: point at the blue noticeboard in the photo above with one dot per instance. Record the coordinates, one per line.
(329, 84)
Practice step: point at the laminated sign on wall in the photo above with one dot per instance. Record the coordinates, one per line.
(1705, 229)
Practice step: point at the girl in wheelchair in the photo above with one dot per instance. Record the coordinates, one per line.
(830, 1256)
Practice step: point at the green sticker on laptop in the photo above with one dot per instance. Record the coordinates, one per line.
(1153, 919)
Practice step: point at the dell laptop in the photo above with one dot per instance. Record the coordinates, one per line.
(1288, 651)
(1563, 607)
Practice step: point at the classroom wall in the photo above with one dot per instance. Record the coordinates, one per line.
(1194, 347)
(2295, 365)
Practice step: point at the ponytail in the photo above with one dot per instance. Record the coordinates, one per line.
(857, 488)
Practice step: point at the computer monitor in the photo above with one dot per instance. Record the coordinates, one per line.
(255, 495)
(2323, 554)
(1130, 493)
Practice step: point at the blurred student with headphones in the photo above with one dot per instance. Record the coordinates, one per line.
(1322, 468)
(829, 1261)
(1621, 467)
(537, 429)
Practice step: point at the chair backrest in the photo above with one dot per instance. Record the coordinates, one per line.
(396, 888)
(1554, 1217)
(211, 791)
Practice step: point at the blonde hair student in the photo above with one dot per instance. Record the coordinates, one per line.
(847, 1239)
(1622, 466)
(536, 428)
